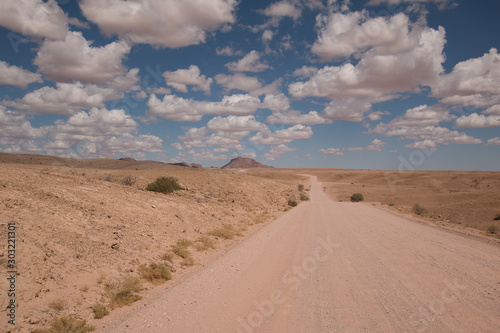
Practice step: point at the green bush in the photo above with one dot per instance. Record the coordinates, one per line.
(292, 203)
(304, 197)
(357, 197)
(164, 185)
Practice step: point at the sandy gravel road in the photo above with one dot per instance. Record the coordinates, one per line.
(333, 267)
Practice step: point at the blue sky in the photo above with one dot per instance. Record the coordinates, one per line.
(370, 84)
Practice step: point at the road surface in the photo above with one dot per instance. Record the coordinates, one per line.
(328, 266)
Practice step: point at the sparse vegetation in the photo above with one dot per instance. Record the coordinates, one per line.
(492, 229)
(292, 203)
(124, 292)
(109, 178)
(57, 304)
(304, 197)
(419, 210)
(169, 256)
(187, 262)
(164, 185)
(101, 278)
(226, 232)
(357, 197)
(129, 180)
(185, 243)
(300, 187)
(100, 310)
(180, 251)
(204, 243)
(391, 204)
(497, 217)
(67, 324)
(155, 273)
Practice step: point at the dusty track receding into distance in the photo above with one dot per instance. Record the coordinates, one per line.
(332, 267)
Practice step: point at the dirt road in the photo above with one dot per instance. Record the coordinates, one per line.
(333, 267)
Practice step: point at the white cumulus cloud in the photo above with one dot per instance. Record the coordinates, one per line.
(249, 63)
(34, 17)
(74, 59)
(182, 78)
(282, 136)
(165, 23)
(15, 76)
(179, 109)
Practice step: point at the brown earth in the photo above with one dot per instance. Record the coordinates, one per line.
(79, 226)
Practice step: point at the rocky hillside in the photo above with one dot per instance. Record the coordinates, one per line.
(244, 163)
(81, 229)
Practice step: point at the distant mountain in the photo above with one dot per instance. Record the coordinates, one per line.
(244, 163)
(128, 159)
(184, 164)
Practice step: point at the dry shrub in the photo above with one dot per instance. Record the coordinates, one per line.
(109, 178)
(169, 256)
(155, 273)
(492, 229)
(67, 324)
(129, 180)
(180, 251)
(292, 203)
(226, 232)
(57, 304)
(497, 217)
(419, 210)
(186, 262)
(304, 197)
(185, 243)
(123, 293)
(204, 243)
(99, 310)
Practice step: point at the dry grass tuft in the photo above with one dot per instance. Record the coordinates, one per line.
(155, 273)
(66, 325)
(226, 232)
(57, 304)
(185, 243)
(180, 251)
(419, 210)
(204, 243)
(129, 180)
(187, 262)
(492, 229)
(99, 310)
(123, 293)
(169, 256)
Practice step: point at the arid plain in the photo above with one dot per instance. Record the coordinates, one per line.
(83, 226)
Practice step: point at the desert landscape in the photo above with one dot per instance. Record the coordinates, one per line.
(82, 224)
(83, 227)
